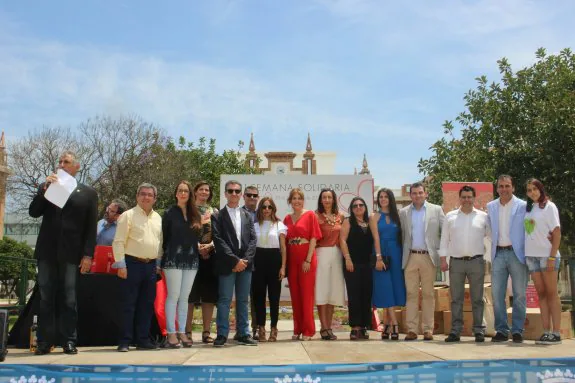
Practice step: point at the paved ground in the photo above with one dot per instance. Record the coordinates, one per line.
(286, 351)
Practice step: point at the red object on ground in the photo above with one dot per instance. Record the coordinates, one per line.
(103, 260)
(160, 304)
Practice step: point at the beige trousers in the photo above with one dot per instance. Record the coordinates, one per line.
(420, 271)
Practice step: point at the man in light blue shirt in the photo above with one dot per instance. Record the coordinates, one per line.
(421, 224)
(506, 215)
(107, 225)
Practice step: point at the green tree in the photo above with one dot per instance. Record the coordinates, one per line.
(116, 155)
(193, 161)
(522, 125)
(11, 268)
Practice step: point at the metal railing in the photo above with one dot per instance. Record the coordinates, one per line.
(22, 288)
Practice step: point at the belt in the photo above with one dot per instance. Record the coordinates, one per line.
(468, 258)
(504, 247)
(419, 251)
(141, 260)
(297, 241)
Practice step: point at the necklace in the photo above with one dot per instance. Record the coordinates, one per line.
(331, 219)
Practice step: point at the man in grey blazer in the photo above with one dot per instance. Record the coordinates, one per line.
(421, 224)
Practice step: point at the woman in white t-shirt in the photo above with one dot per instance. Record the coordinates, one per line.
(542, 238)
(269, 266)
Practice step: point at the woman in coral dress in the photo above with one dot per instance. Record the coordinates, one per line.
(303, 233)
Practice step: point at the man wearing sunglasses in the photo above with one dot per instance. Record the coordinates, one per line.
(251, 199)
(107, 225)
(235, 240)
(65, 243)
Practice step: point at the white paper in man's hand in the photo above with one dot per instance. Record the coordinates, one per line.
(59, 192)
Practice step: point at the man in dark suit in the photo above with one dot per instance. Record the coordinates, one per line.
(235, 240)
(65, 243)
(251, 198)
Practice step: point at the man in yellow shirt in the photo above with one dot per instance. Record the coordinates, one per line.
(137, 252)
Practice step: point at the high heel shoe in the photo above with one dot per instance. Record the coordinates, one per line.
(395, 332)
(385, 333)
(325, 334)
(331, 334)
(296, 337)
(206, 338)
(185, 343)
(169, 344)
(273, 335)
(262, 334)
(354, 335)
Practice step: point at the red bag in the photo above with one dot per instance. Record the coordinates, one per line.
(103, 260)
(160, 304)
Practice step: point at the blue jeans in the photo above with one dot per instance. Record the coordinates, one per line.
(179, 284)
(506, 264)
(242, 282)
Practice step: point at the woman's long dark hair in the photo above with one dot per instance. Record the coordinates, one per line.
(352, 219)
(543, 197)
(192, 212)
(334, 208)
(393, 212)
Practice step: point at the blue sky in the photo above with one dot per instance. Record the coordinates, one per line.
(362, 76)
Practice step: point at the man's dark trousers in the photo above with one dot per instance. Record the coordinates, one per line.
(138, 296)
(57, 283)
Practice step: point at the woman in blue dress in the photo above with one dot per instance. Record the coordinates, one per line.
(388, 279)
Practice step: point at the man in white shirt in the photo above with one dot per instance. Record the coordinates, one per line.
(506, 216)
(462, 240)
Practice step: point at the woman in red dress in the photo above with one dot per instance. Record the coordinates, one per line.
(303, 233)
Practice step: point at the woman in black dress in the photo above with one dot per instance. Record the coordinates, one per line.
(356, 243)
(205, 289)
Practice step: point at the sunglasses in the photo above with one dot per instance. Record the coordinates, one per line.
(234, 191)
(267, 207)
(357, 205)
(251, 195)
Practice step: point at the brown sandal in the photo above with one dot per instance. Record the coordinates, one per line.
(273, 335)
(262, 334)
(185, 343)
(206, 338)
(331, 334)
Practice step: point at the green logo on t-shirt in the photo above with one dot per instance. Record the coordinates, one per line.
(529, 225)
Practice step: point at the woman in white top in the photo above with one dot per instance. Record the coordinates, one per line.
(542, 238)
(269, 266)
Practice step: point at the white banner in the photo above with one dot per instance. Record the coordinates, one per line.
(278, 187)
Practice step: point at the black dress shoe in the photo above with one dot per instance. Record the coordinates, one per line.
(70, 348)
(43, 349)
(500, 337)
(517, 338)
(147, 346)
(479, 337)
(123, 348)
(451, 338)
(220, 341)
(247, 340)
